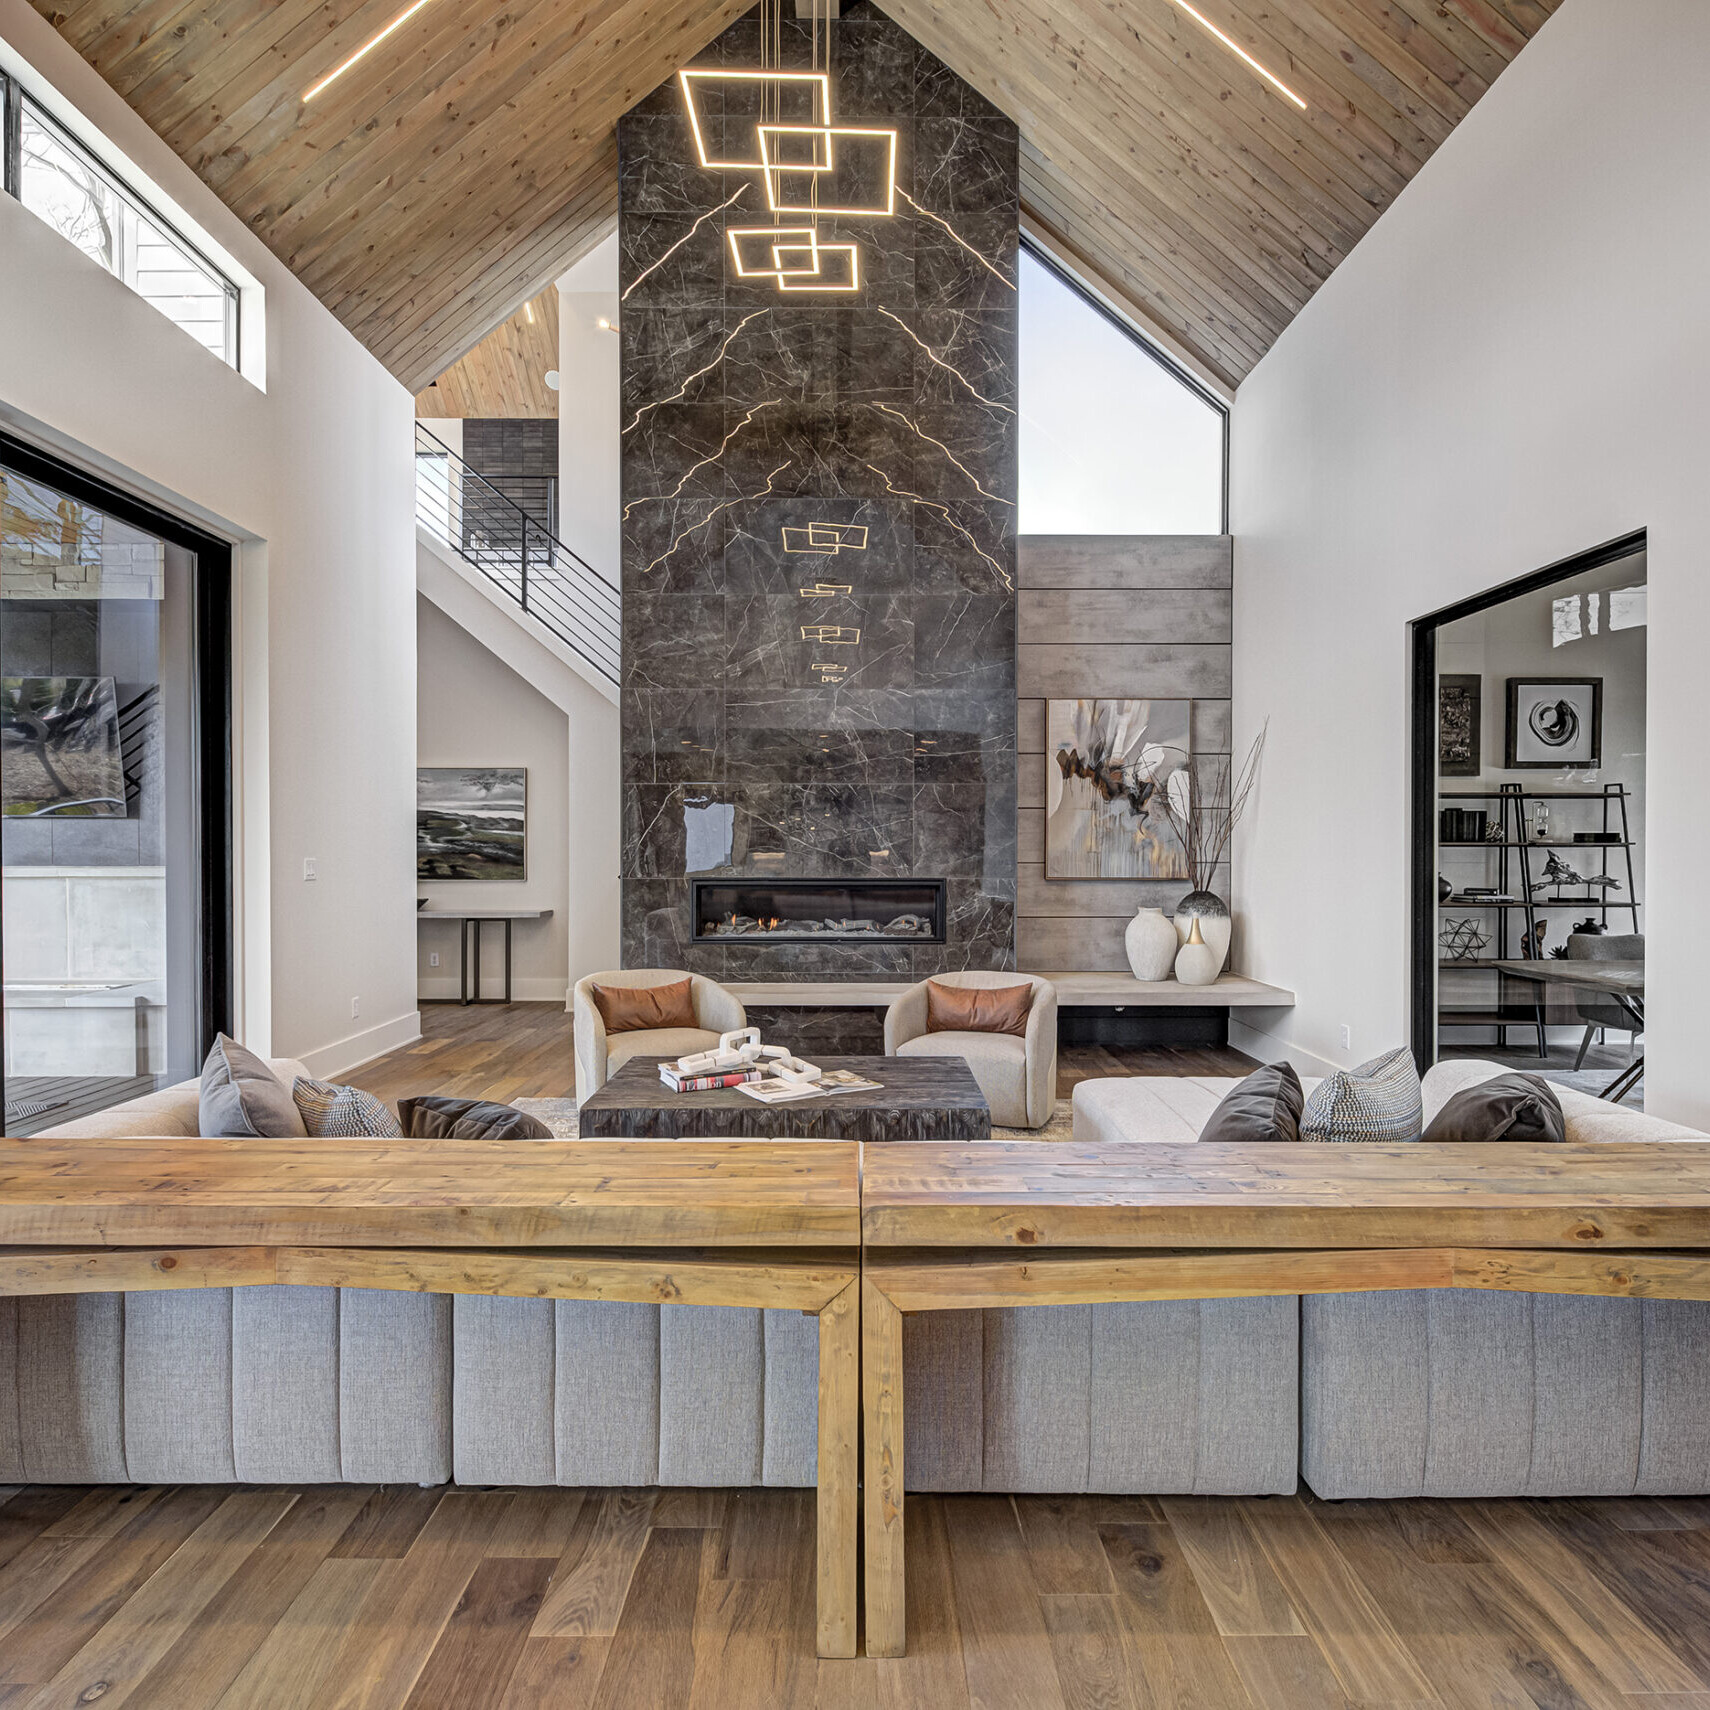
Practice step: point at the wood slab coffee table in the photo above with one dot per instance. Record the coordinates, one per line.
(689, 1223)
(948, 1228)
(919, 1099)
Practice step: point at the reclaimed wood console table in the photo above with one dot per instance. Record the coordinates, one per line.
(1010, 1223)
(758, 1224)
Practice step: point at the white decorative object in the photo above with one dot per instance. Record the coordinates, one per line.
(1151, 944)
(742, 1049)
(1197, 963)
(1216, 924)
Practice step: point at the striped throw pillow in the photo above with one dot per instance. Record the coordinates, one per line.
(333, 1112)
(1379, 1100)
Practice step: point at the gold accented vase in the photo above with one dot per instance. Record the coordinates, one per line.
(1197, 963)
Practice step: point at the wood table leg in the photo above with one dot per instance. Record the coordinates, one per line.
(839, 1469)
(882, 1425)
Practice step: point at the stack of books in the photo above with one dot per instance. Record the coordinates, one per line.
(706, 1083)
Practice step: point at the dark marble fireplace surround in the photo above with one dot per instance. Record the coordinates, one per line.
(748, 412)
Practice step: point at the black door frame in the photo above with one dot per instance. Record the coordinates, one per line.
(1422, 770)
(213, 738)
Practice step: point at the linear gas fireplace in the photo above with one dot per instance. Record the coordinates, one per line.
(816, 911)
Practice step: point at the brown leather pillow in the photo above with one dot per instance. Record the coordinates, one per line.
(977, 1009)
(630, 1009)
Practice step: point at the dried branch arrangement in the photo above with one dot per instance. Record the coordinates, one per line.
(1205, 824)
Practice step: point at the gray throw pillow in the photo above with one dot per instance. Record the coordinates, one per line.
(1380, 1100)
(1506, 1107)
(241, 1098)
(432, 1118)
(334, 1112)
(1264, 1107)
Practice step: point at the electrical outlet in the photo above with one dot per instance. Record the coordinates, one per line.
(1347, 1037)
(355, 1008)
(433, 958)
(309, 869)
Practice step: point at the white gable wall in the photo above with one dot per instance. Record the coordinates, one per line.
(1509, 369)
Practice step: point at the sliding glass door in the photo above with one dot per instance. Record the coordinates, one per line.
(114, 791)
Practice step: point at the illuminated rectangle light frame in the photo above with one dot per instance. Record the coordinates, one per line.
(690, 75)
(734, 234)
(842, 537)
(853, 283)
(772, 170)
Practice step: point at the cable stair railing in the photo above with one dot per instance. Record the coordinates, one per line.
(491, 532)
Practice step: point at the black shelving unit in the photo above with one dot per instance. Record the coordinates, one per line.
(1516, 852)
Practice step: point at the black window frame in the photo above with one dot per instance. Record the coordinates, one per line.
(1181, 375)
(215, 783)
(14, 99)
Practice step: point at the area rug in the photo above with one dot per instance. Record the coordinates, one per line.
(559, 1114)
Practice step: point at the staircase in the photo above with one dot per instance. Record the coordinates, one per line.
(492, 540)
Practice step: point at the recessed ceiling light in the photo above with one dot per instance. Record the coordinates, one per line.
(1235, 48)
(367, 47)
(552, 380)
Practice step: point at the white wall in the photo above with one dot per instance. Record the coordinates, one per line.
(314, 478)
(589, 480)
(474, 710)
(1509, 369)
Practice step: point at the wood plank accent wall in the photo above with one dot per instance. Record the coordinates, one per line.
(1110, 615)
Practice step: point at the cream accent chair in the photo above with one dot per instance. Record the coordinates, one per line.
(597, 1055)
(1018, 1076)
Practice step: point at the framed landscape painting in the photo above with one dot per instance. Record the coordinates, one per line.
(1108, 768)
(471, 822)
(1554, 723)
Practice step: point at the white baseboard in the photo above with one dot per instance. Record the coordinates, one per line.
(535, 990)
(343, 1055)
(1270, 1049)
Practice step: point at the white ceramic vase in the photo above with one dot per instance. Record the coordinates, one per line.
(1151, 944)
(1197, 963)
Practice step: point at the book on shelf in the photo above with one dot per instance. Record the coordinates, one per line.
(774, 1091)
(706, 1083)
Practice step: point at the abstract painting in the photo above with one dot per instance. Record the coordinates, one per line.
(471, 822)
(60, 755)
(1108, 766)
(1458, 721)
(1554, 723)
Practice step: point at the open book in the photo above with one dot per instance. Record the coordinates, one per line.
(774, 1091)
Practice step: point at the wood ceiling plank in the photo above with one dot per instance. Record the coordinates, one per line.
(1478, 48)
(1438, 41)
(1394, 41)
(107, 35)
(505, 374)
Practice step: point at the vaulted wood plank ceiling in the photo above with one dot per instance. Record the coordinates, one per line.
(469, 158)
(505, 374)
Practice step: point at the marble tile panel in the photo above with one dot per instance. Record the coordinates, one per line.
(792, 642)
(671, 641)
(762, 558)
(672, 736)
(966, 544)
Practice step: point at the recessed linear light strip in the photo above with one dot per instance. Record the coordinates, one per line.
(367, 47)
(1235, 48)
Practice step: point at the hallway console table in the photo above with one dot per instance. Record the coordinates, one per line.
(752, 1224)
(1009, 1224)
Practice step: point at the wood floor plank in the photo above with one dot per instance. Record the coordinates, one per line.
(1086, 1648)
(1239, 1585)
(537, 1523)
(106, 1509)
(933, 1671)
(389, 1521)
(764, 1533)
(118, 1656)
(392, 1635)
(1359, 1642)
(1060, 1535)
(29, 1513)
(61, 1625)
(552, 1674)
(211, 1654)
(1282, 1672)
(739, 1659)
(483, 1641)
(700, 1510)
(1006, 1653)
(587, 1596)
(1626, 1649)
(289, 1667)
(651, 1661)
(36, 1573)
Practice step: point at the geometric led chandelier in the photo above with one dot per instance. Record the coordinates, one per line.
(799, 155)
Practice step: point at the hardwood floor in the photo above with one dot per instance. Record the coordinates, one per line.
(404, 1599)
(397, 1598)
(524, 1050)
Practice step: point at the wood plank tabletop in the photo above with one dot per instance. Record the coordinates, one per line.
(1627, 977)
(442, 1193)
(1017, 1194)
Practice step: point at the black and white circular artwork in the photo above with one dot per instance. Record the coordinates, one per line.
(1555, 722)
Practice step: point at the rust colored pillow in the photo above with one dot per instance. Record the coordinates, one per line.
(630, 1009)
(977, 1009)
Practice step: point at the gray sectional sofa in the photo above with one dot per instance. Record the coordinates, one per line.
(1453, 1393)
(310, 1385)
